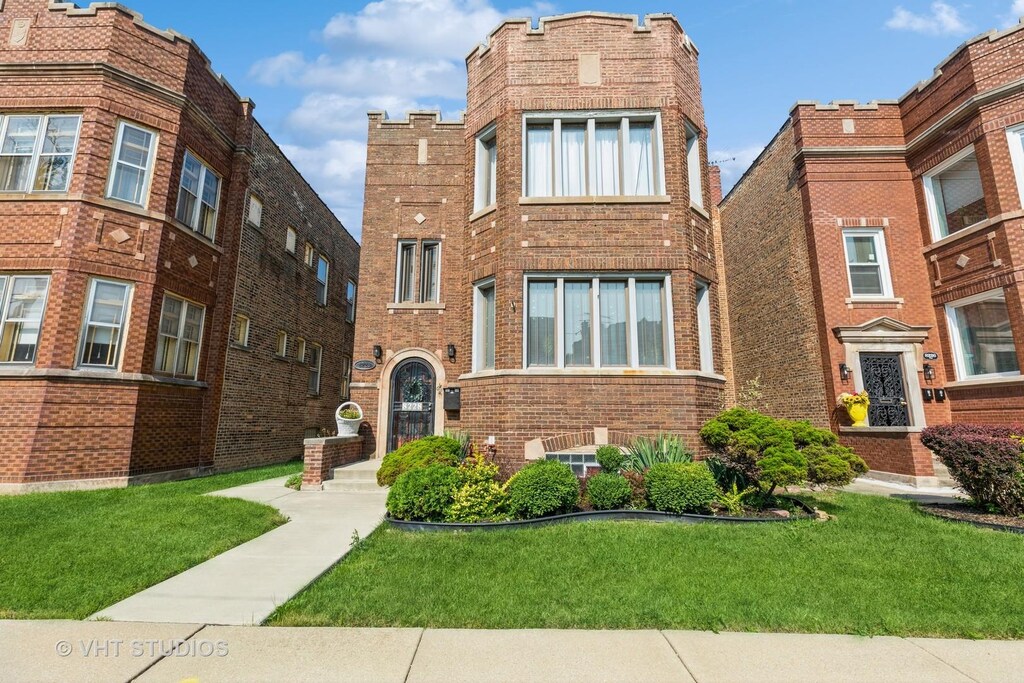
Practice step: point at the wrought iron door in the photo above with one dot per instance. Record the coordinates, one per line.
(412, 403)
(883, 380)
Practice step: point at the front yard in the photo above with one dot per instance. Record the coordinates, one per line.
(881, 567)
(68, 555)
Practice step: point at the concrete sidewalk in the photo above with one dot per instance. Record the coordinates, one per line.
(246, 584)
(85, 651)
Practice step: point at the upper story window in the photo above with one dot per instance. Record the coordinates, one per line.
(323, 268)
(22, 300)
(37, 152)
(346, 378)
(255, 214)
(198, 197)
(428, 287)
(315, 361)
(103, 330)
(350, 301)
(483, 326)
(240, 330)
(281, 346)
(867, 265)
(290, 239)
(586, 321)
(309, 255)
(405, 285)
(486, 188)
(300, 350)
(132, 164)
(430, 272)
(181, 334)
(693, 165)
(602, 154)
(705, 344)
(982, 337)
(956, 199)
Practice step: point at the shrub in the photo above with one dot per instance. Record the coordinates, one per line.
(645, 452)
(986, 461)
(543, 488)
(610, 458)
(419, 453)
(607, 491)
(479, 497)
(638, 492)
(294, 481)
(424, 493)
(833, 465)
(464, 438)
(680, 487)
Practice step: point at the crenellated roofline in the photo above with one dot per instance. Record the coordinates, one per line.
(433, 114)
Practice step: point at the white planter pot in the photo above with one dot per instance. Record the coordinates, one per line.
(348, 427)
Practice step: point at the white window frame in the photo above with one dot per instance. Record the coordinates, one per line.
(633, 351)
(37, 150)
(291, 239)
(147, 181)
(245, 323)
(956, 342)
(478, 331)
(400, 261)
(437, 272)
(591, 119)
(281, 344)
(350, 300)
(197, 211)
(1015, 140)
(6, 292)
(705, 335)
(878, 235)
(321, 295)
(316, 368)
(254, 215)
(186, 304)
(932, 198)
(694, 169)
(122, 330)
(485, 185)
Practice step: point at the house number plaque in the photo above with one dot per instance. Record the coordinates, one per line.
(412, 407)
(364, 365)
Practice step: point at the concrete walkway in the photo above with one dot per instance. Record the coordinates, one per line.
(155, 653)
(246, 584)
(924, 495)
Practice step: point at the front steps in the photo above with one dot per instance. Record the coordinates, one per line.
(360, 477)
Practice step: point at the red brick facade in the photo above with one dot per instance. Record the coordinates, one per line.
(421, 175)
(63, 421)
(844, 169)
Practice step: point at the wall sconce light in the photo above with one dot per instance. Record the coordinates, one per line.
(378, 352)
(929, 372)
(451, 352)
(844, 372)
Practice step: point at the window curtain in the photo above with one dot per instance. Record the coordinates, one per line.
(577, 324)
(540, 340)
(539, 158)
(606, 159)
(574, 160)
(614, 350)
(650, 323)
(641, 158)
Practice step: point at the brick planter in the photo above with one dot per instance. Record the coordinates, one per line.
(323, 455)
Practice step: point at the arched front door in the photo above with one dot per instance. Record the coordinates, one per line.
(412, 402)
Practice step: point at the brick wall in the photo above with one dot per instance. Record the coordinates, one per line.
(321, 456)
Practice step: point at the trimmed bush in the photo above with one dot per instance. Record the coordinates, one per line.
(680, 487)
(986, 461)
(833, 465)
(607, 491)
(610, 458)
(479, 497)
(424, 494)
(543, 488)
(419, 453)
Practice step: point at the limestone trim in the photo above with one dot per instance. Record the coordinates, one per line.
(598, 199)
(32, 373)
(384, 391)
(883, 329)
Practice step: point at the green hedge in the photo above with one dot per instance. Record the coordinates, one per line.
(429, 450)
(546, 487)
(680, 487)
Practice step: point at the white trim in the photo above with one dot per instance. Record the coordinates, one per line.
(705, 334)
(486, 135)
(489, 282)
(882, 254)
(1015, 140)
(180, 335)
(399, 262)
(350, 304)
(933, 200)
(6, 292)
(122, 329)
(957, 343)
(908, 353)
(147, 181)
(193, 221)
(424, 244)
(37, 147)
(693, 133)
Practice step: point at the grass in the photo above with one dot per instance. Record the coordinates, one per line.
(881, 567)
(68, 555)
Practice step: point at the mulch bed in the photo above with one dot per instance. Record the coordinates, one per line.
(972, 515)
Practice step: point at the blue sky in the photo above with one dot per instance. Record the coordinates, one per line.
(315, 68)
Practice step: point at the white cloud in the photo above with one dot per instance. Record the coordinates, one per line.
(734, 163)
(1014, 15)
(335, 168)
(942, 20)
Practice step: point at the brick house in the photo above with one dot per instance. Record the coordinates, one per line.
(174, 298)
(879, 246)
(543, 273)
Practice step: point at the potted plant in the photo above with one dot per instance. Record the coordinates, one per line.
(348, 416)
(856, 407)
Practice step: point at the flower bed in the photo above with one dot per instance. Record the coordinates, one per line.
(979, 518)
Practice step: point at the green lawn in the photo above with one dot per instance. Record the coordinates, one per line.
(68, 555)
(881, 567)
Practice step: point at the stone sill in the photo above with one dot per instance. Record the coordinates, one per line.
(483, 212)
(880, 301)
(988, 223)
(612, 199)
(696, 208)
(95, 375)
(332, 440)
(985, 382)
(594, 372)
(416, 307)
(868, 431)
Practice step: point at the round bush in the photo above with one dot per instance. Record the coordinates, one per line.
(419, 453)
(680, 487)
(607, 491)
(424, 494)
(478, 501)
(610, 458)
(832, 465)
(543, 488)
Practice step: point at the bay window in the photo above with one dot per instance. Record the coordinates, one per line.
(705, 344)
(483, 326)
(103, 331)
(693, 165)
(37, 152)
(180, 336)
(132, 164)
(22, 300)
(982, 337)
(956, 199)
(486, 187)
(593, 154)
(583, 321)
(198, 197)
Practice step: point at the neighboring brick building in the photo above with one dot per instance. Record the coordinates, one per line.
(551, 258)
(879, 246)
(126, 170)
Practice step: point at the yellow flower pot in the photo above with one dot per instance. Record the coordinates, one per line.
(858, 413)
